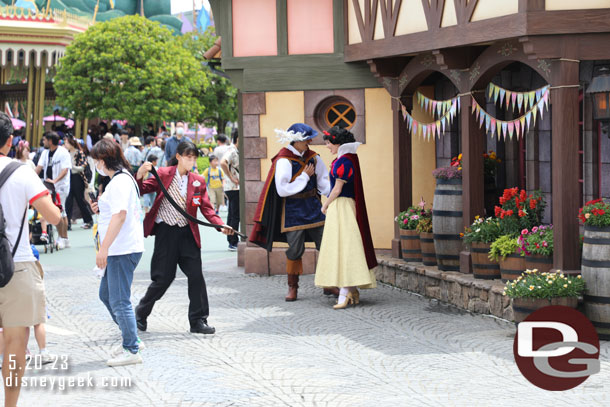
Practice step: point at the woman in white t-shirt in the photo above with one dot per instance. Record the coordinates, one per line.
(121, 238)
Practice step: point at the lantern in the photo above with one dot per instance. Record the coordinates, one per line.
(599, 89)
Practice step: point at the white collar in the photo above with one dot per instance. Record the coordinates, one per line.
(348, 148)
(295, 151)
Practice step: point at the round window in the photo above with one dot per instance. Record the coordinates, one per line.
(340, 113)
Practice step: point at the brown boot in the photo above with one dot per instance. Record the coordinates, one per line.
(294, 268)
(293, 286)
(334, 291)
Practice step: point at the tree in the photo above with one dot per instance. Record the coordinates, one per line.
(131, 69)
(220, 96)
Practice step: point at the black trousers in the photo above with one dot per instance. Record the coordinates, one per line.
(233, 216)
(175, 246)
(77, 193)
(296, 241)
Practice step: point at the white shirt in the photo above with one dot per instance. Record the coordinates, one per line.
(20, 190)
(283, 175)
(121, 194)
(61, 161)
(220, 151)
(231, 156)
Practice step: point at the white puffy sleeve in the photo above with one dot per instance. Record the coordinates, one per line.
(323, 178)
(283, 174)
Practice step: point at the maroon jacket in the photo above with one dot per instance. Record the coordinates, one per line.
(167, 175)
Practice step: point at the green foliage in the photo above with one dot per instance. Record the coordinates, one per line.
(409, 219)
(595, 213)
(519, 211)
(133, 69)
(502, 247)
(202, 164)
(220, 96)
(532, 284)
(424, 225)
(482, 230)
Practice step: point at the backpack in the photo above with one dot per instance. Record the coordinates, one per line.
(7, 265)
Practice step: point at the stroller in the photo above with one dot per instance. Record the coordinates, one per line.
(36, 227)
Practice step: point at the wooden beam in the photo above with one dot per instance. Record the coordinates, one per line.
(565, 165)
(403, 173)
(568, 21)
(473, 147)
(433, 9)
(389, 14)
(281, 7)
(589, 46)
(30, 102)
(531, 5)
(464, 9)
(339, 25)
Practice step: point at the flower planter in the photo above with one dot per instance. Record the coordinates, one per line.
(482, 267)
(512, 266)
(522, 307)
(447, 223)
(409, 242)
(428, 253)
(596, 273)
(544, 264)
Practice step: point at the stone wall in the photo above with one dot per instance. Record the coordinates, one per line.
(461, 290)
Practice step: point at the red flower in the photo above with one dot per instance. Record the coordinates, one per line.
(502, 200)
(497, 210)
(601, 212)
(521, 213)
(523, 195)
(509, 212)
(532, 204)
(593, 202)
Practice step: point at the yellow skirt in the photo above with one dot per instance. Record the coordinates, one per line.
(342, 262)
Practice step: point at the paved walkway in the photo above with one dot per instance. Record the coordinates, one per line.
(395, 349)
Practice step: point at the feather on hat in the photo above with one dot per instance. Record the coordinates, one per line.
(296, 132)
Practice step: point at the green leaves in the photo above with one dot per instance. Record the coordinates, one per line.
(132, 69)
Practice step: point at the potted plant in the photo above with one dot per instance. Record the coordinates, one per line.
(536, 245)
(426, 239)
(518, 211)
(596, 263)
(506, 251)
(409, 237)
(534, 290)
(447, 216)
(479, 237)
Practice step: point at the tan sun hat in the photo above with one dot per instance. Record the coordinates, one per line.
(108, 136)
(134, 141)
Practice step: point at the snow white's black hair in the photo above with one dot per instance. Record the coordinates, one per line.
(339, 136)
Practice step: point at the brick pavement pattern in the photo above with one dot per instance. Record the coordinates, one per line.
(395, 349)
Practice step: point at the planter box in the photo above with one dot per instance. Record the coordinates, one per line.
(596, 273)
(522, 307)
(511, 267)
(544, 264)
(482, 267)
(409, 242)
(428, 254)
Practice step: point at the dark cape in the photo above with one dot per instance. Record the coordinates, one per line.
(361, 213)
(267, 219)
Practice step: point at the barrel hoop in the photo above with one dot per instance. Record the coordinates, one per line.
(411, 251)
(445, 267)
(412, 259)
(595, 298)
(447, 237)
(453, 214)
(594, 240)
(447, 257)
(440, 181)
(597, 228)
(601, 324)
(595, 263)
(515, 256)
(426, 240)
(429, 263)
(447, 192)
(409, 237)
(545, 260)
(524, 310)
(428, 254)
(511, 272)
(485, 276)
(485, 266)
(478, 250)
(603, 337)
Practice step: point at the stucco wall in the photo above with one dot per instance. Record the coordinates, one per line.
(575, 5)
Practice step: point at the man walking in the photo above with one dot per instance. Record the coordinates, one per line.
(172, 143)
(55, 163)
(230, 165)
(289, 209)
(22, 300)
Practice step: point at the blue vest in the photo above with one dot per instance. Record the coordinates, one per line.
(303, 210)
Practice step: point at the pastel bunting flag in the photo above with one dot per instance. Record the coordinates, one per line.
(490, 90)
(498, 92)
(426, 101)
(517, 128)
(502, 93)
(511, 129)
(522, 124)
(481, 119)
(474, 105)
(434, 103)
(538, 95)
(487, 122)
(458, 104)
(499, 128)
(492, 127)
(508, 98)
(438, 128)
(528, 118)
(541, 109)
(504, 129)
(519, 100)
(534, 112)
(513, 99)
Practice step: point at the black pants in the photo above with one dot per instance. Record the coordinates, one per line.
(296, 241)
(77, 193)
(233, 216)
(175, 246)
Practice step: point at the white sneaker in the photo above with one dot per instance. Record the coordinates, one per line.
(60, 244)
(125, 358)
(46, 357)
(66, 243)
(117, 350)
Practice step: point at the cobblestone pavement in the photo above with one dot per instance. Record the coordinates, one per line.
(395, 349)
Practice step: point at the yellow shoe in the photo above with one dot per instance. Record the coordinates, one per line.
(356, 295)
(349, 299)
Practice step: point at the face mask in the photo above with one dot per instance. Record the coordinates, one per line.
(180, 131)
(101, 172)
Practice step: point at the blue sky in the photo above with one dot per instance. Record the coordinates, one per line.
(187, 5)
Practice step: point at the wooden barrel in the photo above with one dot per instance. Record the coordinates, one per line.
(596, 273)
(447, 223)
(522, 307)
(428, 254)
(482, 267)
(512, 267)
(409, 242)
(544, 264)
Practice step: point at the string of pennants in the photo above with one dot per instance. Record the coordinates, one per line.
(531, 103)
